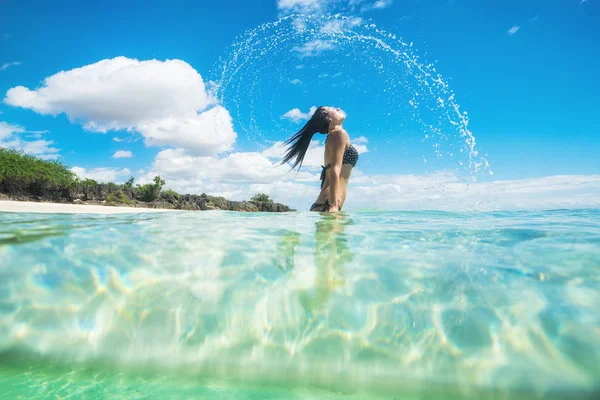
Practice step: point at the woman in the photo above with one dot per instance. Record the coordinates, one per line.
(340, 156)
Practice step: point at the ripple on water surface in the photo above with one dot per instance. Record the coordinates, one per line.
(370, 303)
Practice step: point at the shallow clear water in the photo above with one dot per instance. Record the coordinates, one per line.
(366, 304)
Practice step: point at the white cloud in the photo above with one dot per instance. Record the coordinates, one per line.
(377, 5)
(165, 101)
(301, 5)
(295, 115)
(6, 66)
(295, 81)
(314, 6)
(236, 177)
(10, 138)
(338, 25)
(122, 154)
(514, 30)
(445, 191)
(380, 4)
(241, 175)
(364, 5)
(299, 24)
(116, 93)
(210, 132)
(36, 134)
(118, 140)
(313, 48)
(40, 148)
(7, 130)
(102, 174)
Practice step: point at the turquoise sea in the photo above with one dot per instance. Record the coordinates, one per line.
(359, 305)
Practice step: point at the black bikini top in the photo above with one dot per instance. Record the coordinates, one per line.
(350, 157)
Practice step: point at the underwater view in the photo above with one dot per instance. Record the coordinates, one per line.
(363, 304)
(299, 199)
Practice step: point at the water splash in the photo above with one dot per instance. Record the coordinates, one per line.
(349, 62)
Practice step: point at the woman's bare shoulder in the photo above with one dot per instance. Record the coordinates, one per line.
(339, 134)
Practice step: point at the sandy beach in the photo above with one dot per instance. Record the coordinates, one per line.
(56, 208)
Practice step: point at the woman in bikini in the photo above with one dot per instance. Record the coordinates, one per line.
(340, 156)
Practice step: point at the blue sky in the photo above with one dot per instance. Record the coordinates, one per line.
(524, 70)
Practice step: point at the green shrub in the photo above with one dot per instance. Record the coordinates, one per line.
(150, 191)
(170, 193)
(22, 173)
(118, 197)
(90, 183)
(261, 197)
(146, 192)
(129, 183)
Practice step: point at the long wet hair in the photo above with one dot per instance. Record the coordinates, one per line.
(298, 144)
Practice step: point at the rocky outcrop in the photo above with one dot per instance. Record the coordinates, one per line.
(270, 206)
(205, 202)
(118, 195)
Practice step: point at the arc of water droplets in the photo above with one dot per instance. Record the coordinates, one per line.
(271, 37)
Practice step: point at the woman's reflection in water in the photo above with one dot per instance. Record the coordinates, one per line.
(331, 254)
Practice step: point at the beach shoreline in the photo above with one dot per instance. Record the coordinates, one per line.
(60, 208)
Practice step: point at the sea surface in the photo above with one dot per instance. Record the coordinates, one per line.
(358, 305)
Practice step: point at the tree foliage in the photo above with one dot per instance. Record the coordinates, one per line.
(261, 197)
(150, 191)
(22, 173)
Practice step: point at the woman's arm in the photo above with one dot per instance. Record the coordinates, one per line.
(337, 143)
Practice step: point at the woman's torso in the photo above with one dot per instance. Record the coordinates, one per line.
(349, 161)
